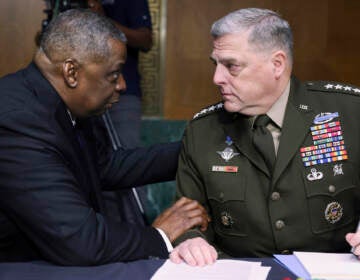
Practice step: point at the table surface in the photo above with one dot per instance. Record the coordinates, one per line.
(137, 270)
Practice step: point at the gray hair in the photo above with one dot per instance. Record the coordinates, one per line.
(80, 34)
(268, 30)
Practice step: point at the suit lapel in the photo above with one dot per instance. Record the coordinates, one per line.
(64, 121)
(84, 164)
(295, 128)
(238, 128)
(50, 100)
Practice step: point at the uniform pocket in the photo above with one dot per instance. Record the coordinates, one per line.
(227, 193)
(331, 195)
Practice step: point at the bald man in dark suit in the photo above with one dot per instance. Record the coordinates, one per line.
(54, 163)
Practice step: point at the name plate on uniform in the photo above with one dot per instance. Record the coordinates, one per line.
(221, 168)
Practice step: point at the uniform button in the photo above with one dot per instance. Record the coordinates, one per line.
(275, 196)
(279, 224)
(285, 252)
(332, 188)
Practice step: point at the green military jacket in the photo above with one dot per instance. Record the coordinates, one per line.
(311, 200)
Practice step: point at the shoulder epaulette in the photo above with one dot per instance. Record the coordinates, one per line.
(208, 110)
(325, 86)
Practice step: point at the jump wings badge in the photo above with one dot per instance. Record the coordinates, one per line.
(314, 175)
(227, 153)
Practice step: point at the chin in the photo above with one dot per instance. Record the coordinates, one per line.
(99, 112)
(231, 107)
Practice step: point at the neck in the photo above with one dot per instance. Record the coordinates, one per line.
(52, 72)
(47, 68)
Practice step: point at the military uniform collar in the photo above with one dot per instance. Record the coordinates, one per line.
(277, 110)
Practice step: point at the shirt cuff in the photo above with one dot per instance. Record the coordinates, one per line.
(166, 240)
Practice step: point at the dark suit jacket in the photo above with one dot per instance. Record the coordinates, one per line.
(255, 213)
(50, 187)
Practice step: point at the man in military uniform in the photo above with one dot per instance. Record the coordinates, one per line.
(276, 163)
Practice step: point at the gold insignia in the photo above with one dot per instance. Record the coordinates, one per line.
(226, 219)
(333, 212)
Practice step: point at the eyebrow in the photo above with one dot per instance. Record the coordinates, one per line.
(224, 60)
(118, 67)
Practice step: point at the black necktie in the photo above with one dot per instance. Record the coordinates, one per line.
(263, 140)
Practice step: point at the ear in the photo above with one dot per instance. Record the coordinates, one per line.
(71, 72)
(279, 62)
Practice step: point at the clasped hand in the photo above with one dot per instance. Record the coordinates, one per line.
(179, 218)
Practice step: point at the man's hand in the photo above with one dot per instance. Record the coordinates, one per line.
(354, 240)
(195, 252)
(182, 216)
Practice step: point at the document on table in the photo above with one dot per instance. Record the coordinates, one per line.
(313, 265)
(292, 263)
(221, 269)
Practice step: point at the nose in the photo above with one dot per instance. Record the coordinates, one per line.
(120, 84)
(218, 78)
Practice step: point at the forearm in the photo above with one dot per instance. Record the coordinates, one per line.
(140, 166)
(190, 185)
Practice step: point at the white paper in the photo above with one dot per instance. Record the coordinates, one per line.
(330, 265)
(221, 269)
